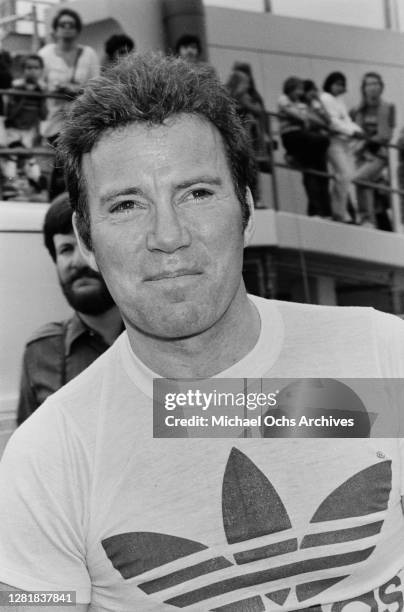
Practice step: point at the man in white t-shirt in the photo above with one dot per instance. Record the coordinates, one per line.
(158, 167)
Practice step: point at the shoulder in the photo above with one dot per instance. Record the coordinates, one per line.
(72, 411)
(341, 320)
(47, 50)
(88, 52)
(355, 110)
(85, 389)
(326, 97)
(378, 336)
(49, 330)
(386, 105)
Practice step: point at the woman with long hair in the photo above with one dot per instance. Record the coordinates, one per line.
(377, 119)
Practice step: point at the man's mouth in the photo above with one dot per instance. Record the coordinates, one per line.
(170, 274)
(84, 281)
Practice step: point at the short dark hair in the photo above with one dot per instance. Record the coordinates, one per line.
(70, 13)
(309, 85)
(58, 220)
(291, 84)
(32, 56)
(186, 40)
(150, 88)
(333, 77)
(117, 41)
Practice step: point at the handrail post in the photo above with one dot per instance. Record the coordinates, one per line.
(397, 221)
(274, 182)
(35, 30)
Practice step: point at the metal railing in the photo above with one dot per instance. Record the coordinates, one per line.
(393, 191)
(269, 160)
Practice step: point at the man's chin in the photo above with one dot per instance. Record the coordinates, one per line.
(179, 320)
(89, 300)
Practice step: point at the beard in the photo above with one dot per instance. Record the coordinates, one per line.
(92, 300)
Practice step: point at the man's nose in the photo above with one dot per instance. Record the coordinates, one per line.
(77, 260)
(168, 232)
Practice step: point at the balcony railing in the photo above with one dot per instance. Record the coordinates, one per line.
(391, 189)
(268, 160)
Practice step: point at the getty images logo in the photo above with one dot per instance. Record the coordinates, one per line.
(251, 509)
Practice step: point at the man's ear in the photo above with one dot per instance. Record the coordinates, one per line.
(250, 227)
(85, 251)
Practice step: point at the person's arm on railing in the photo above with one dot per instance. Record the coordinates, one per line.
(293, 111)
(341, 122)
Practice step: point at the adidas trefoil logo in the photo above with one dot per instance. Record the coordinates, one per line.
(251, 509)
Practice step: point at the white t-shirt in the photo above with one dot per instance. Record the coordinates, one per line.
(57, 72)
(91, 502)
(338, 112)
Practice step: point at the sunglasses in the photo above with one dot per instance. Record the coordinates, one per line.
(67, 24)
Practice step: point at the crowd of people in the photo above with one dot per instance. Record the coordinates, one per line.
(35, 109)
(320, 133)
(335, 149)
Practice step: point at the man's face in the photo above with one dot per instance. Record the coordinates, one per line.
(121, 52)
(338, 88)
(166, 225)
(66, 28)
(83, 288)
(32, 71)
(373, 88)
(189, 53)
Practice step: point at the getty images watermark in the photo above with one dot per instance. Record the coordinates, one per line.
(277, 408)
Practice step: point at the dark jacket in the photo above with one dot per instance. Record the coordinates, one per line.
(56, 353)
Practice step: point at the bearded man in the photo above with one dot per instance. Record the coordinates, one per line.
(60, 350)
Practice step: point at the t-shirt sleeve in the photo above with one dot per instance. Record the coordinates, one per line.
(389, 332)
(43, 482)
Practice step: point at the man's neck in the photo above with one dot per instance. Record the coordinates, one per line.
(205, 354)
(373, 102)
(108, 324)
(66, 46)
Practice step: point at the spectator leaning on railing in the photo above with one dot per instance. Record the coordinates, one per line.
(303, 137)
(250, 106)
(24, 113)
(68, 66)
(340, 151)
(21, 179)
(116, 47)
(377, 119)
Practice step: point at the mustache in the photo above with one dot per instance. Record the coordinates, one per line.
(84, 272)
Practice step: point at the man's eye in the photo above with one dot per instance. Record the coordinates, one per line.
(65, 250)
(124, 206)
(200, 194)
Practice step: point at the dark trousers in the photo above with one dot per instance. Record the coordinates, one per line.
(309, 149)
